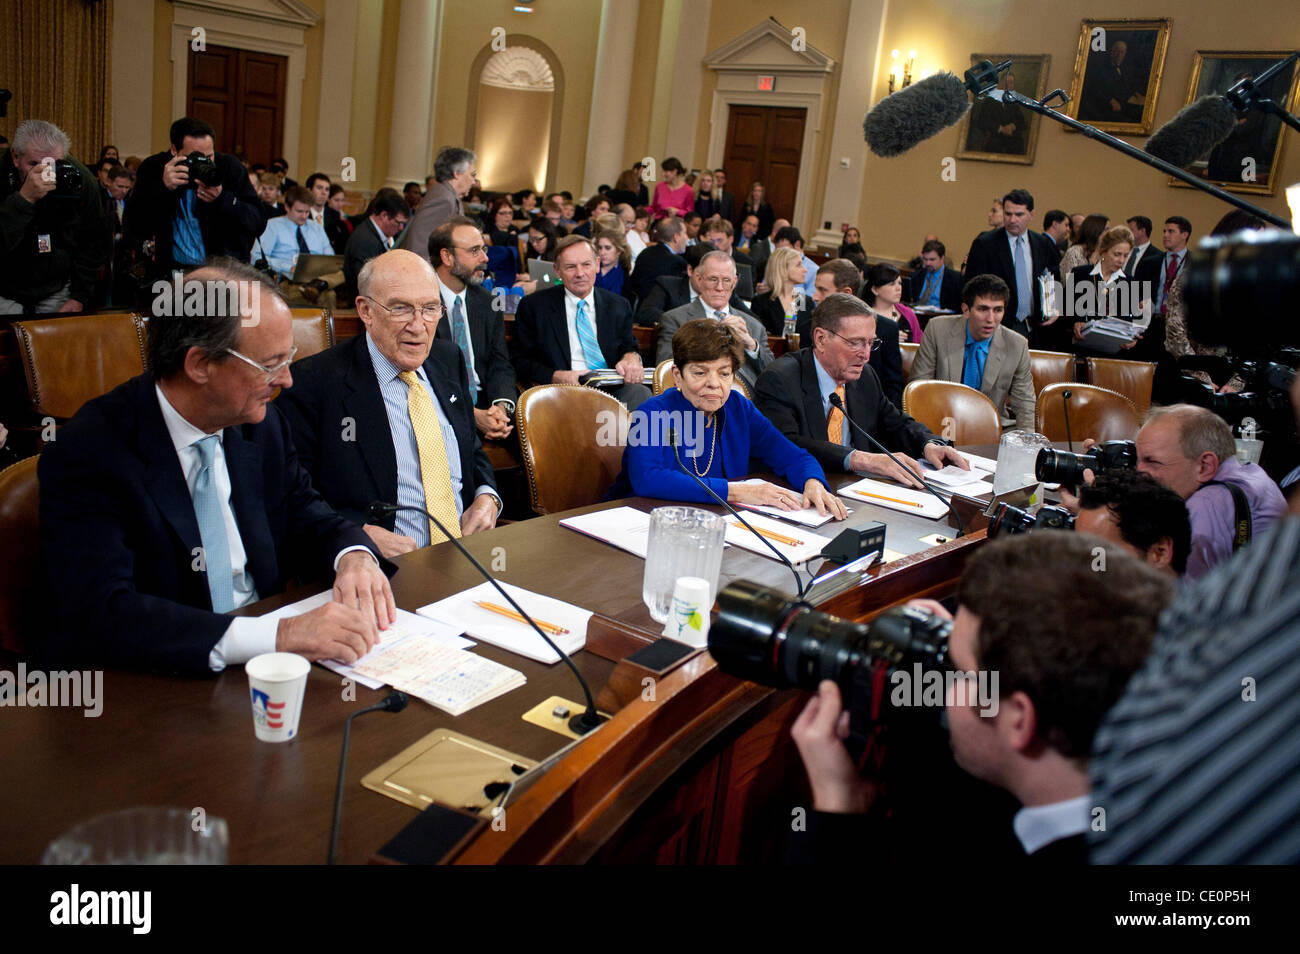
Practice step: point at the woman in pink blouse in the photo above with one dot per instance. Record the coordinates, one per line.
(672, 195)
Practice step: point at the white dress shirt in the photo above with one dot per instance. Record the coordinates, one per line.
(449, 299)
(578, 361)
(1040, 825)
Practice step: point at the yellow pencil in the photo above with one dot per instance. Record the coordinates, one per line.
(908, 503)
(778, 537)
(511, 614)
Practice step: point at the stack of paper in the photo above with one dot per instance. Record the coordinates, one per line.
(895, 497)
(624, 527)
(451, 679)
(498, 628)
(808, 517)
(609, 378)
(797, 546)
(956, 478)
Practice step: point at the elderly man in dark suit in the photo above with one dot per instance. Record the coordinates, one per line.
(974, 349)
(453, 171)
(672, 291)
(662, 258)
(794, 393)
(564, 332)
(1019, 257)
(178, 497)
(389, 214)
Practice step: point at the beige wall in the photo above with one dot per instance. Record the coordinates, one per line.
(904, 198)
(514, 127)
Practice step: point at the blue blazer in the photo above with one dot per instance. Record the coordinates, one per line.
(650, 469)
(119, 535)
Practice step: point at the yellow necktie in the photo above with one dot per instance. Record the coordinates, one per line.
(434, 470)
(835, 421)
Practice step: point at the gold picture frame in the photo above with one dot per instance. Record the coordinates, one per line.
(1259, 137)
(983, 134)
(1106, 94)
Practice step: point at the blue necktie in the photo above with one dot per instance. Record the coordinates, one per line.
(212, 527)
(587, 339)
(302, 243)
(1024, 293)
(972, 374)
(460, 334)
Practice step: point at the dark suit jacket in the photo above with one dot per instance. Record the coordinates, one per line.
(353, 466)
(1149, 348)
(119, 535)
(949, 289)
(1151, 257)
(336, 230)
(886, 360)
(727, 205)
(650, 264)
(788, 395)
(768, 309)
(990, 254)
(669, 292)
(487, 334)
(365, 244)
(541, 343)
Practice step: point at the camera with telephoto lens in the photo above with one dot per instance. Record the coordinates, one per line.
(67, 179)
(202, 170)
(1008, 519)
(1062, 467)
(765, 636)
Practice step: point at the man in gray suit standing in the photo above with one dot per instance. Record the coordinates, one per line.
(453, 168)
(716, 278)
(974, 349)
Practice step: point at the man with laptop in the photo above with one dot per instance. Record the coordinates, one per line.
(297, 251)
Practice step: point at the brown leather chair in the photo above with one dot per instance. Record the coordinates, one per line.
(645, 339)
(71, 359)
(1095, 412)
(1050, 367)
(313, 330)
(559, 426)
(953, 411)
(20, 555)
(664, 379)
(909, 350)
(1133, 379)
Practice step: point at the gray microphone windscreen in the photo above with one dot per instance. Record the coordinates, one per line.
(903, 119)
(1193, 132)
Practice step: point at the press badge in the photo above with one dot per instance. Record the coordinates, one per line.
(43, 243)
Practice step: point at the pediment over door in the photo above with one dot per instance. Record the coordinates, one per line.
(768, 47)
(284, 12)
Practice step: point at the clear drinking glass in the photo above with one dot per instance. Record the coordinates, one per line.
(683, 541)
(1017, 455)
(142, 836)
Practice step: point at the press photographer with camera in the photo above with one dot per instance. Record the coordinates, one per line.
(1062, 648)
(53, 230)
(191, 203)
(1141, 515)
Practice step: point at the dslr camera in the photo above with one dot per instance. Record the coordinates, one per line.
(201, 170)
(1062, 467)
(1009, 520)
(68, 181)
(764, 636)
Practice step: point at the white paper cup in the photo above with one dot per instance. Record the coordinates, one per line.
(688, 619)
(276, 683)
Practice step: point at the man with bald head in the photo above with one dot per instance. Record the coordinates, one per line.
(177, 497)
(387, 415)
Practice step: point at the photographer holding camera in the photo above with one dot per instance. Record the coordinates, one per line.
(191, 203)
(53, 230)
(1139, 513)
(1061, 644)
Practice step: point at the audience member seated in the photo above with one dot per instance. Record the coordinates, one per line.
(664, 257)
(706, 355)
(500, 229)
(1146, 518)
(794, 393)
(318, 187)
(268, 190)
(719, 234)
(841, 276)
(178, 497)
(785, 304)
(883, 292)
(673, 197)
(692, 221)
(596, 205)
(453, 170)
(975, 350)
(937, 286)
(615, 261)
(789, 237)
(290, 235)
(674, 291)
(628, 188)
(747, 237)
(756, 205)
(525, 201)
(280, 166)
(389, 214)
(553, 212)
(627, 216)
(337, 225)
(851, 244)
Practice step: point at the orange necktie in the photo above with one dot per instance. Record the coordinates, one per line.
(835, 421)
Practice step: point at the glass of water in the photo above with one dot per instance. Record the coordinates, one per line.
(142, 836)
(684, 541)
(1017, 457)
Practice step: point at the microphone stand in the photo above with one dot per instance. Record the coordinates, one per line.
(1244, 94)
(982, 79)
(393, 702)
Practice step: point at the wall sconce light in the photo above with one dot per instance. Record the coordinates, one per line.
(900, 73)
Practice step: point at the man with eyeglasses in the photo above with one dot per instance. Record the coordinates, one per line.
(716, 278)
(387, 415)
(388, 215)
(795, 395)
(177, 497)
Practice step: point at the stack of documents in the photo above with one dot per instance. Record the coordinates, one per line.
(609, 378)
(451, 679)
(955, 478)
(1109, 334)
(483, 614)
(808, 517)
(624, 527)
(796, 545)
(895, 497)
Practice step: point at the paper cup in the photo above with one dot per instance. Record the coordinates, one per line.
(688, 619)
(276, 683)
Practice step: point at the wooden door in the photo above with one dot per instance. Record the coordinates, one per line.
(241, 93)
(764, 144)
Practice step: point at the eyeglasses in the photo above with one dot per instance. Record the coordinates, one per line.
(271, 372)
(472, 249)
(716, 281)
(403, 312)
(858, 344)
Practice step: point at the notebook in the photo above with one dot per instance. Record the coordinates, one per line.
(487, 626)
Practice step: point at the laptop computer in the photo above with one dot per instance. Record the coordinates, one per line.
(542, 272)
(312, 267)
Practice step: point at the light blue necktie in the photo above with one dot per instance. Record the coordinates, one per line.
(587, 338)
(460, 334)
(212, 527)
(1024, 292)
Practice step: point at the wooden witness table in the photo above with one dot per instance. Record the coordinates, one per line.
(706, 772)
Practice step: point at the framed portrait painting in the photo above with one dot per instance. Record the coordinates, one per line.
(1249, 159)
(1005, 132)
(1117, 74)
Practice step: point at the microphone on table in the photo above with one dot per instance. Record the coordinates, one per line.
(1194, 131)
(1065, 410)
(393, 702)
(839, 405)
(581, 724)
(800, 589)
(915, 113)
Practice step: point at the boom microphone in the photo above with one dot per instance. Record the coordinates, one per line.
(903, 119)
(1193, 132)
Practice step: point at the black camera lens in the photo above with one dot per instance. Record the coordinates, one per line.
(1060, 467)
(67, 178)
(1009, 520)
(1253, 273)
(202, 170)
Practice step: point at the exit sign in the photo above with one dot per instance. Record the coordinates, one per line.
(765, 83)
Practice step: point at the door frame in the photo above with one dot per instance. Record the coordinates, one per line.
(722, 103)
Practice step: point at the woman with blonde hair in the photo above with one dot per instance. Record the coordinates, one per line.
(613, 257)
(784, 301)
(706, 203)
(756, 205)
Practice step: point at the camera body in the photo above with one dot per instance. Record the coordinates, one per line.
(1062, 467)
(202, 170)
(68, 181)
(1007, 519)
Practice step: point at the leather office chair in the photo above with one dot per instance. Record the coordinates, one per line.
(1050, 367)
(1133, 379)
(20, 555)
(1095, 412)
(559, 426)
(313, 331)
(909, 350)
(75, 358)
(953, 411)
(664, 379)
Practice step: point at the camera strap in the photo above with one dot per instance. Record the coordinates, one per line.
(1241, 525)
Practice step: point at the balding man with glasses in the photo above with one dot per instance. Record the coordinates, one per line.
(387, 415)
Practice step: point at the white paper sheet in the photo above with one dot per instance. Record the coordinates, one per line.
(624, 527)
(810, 544)
(808, 517)
(511, 634)
(895, 497)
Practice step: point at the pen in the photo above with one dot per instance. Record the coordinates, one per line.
(511, 614)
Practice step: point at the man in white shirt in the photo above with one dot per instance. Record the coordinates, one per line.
(288, 236)
(1142, 251)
